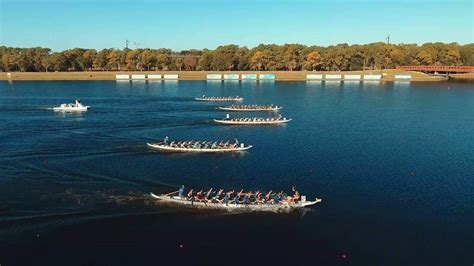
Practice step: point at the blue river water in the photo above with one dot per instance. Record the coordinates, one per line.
(393, 163)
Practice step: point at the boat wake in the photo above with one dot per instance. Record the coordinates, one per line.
(24, 108)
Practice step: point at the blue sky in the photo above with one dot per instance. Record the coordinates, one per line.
(207, 24)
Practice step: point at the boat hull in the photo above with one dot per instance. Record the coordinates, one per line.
(71, 109)
(228, 122)
(191, 150)
(284, 206)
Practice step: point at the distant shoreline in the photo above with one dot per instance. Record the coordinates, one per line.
(387, 75)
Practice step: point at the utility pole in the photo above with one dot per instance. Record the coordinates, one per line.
(126, 43)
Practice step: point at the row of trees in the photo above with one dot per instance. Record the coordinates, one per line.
(289, 57)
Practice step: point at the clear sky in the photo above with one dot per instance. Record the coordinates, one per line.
(185, 24)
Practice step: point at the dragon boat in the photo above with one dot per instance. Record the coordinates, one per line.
(253, 120)
(272, 207)
(250, 108)
(199, 146)
(219, 99)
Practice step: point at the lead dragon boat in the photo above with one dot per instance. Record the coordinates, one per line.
(253, 120)
(219, 99)
(250, 108)
(192, 146)
(241, 206)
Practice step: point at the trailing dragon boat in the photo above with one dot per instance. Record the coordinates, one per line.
(253, 120)
(250, 108)
(232, 200)
(199, 146)
(72, 107)
(219, 99)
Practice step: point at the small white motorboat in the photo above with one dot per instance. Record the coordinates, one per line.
(72, 107)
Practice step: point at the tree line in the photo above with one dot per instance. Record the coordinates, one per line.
(272, 57)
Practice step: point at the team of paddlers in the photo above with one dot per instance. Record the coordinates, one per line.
(195, 144)
(214, 98)
(251, 107)
(255, 119)
(240, 197)
(222, 196)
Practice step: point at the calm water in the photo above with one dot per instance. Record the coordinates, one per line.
(394, 164)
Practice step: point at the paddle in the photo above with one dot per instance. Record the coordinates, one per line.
(171, 193)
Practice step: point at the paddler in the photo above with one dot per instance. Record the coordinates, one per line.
(181, 191)
(296, 195)
(190, 194)
(199, 196)
(226, 199)
(208, 195)
(276, 201)
(236, 198)
(267, 196)
(247, 199)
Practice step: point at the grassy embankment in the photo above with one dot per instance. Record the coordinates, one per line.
(388, 74)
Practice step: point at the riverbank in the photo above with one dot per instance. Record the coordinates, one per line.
(463, 77)
(387, 75)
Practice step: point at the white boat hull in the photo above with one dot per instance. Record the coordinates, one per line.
(232, 206)
(71, 109)
(229, 122)
(250, 110)
(178, 149)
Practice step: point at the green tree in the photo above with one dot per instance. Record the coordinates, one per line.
(58, 62)
(205, 62)
(467, 54)
(100, 61)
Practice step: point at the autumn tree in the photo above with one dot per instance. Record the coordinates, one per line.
(256, 61)
(270, 57)
(423, 58)
(313, 61)
(467, 54)
(101, 60)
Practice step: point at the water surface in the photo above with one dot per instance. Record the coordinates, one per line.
(393, 162)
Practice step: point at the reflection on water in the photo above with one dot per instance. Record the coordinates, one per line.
(77, 115)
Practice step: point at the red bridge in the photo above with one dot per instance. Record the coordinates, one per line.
(444, 69)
